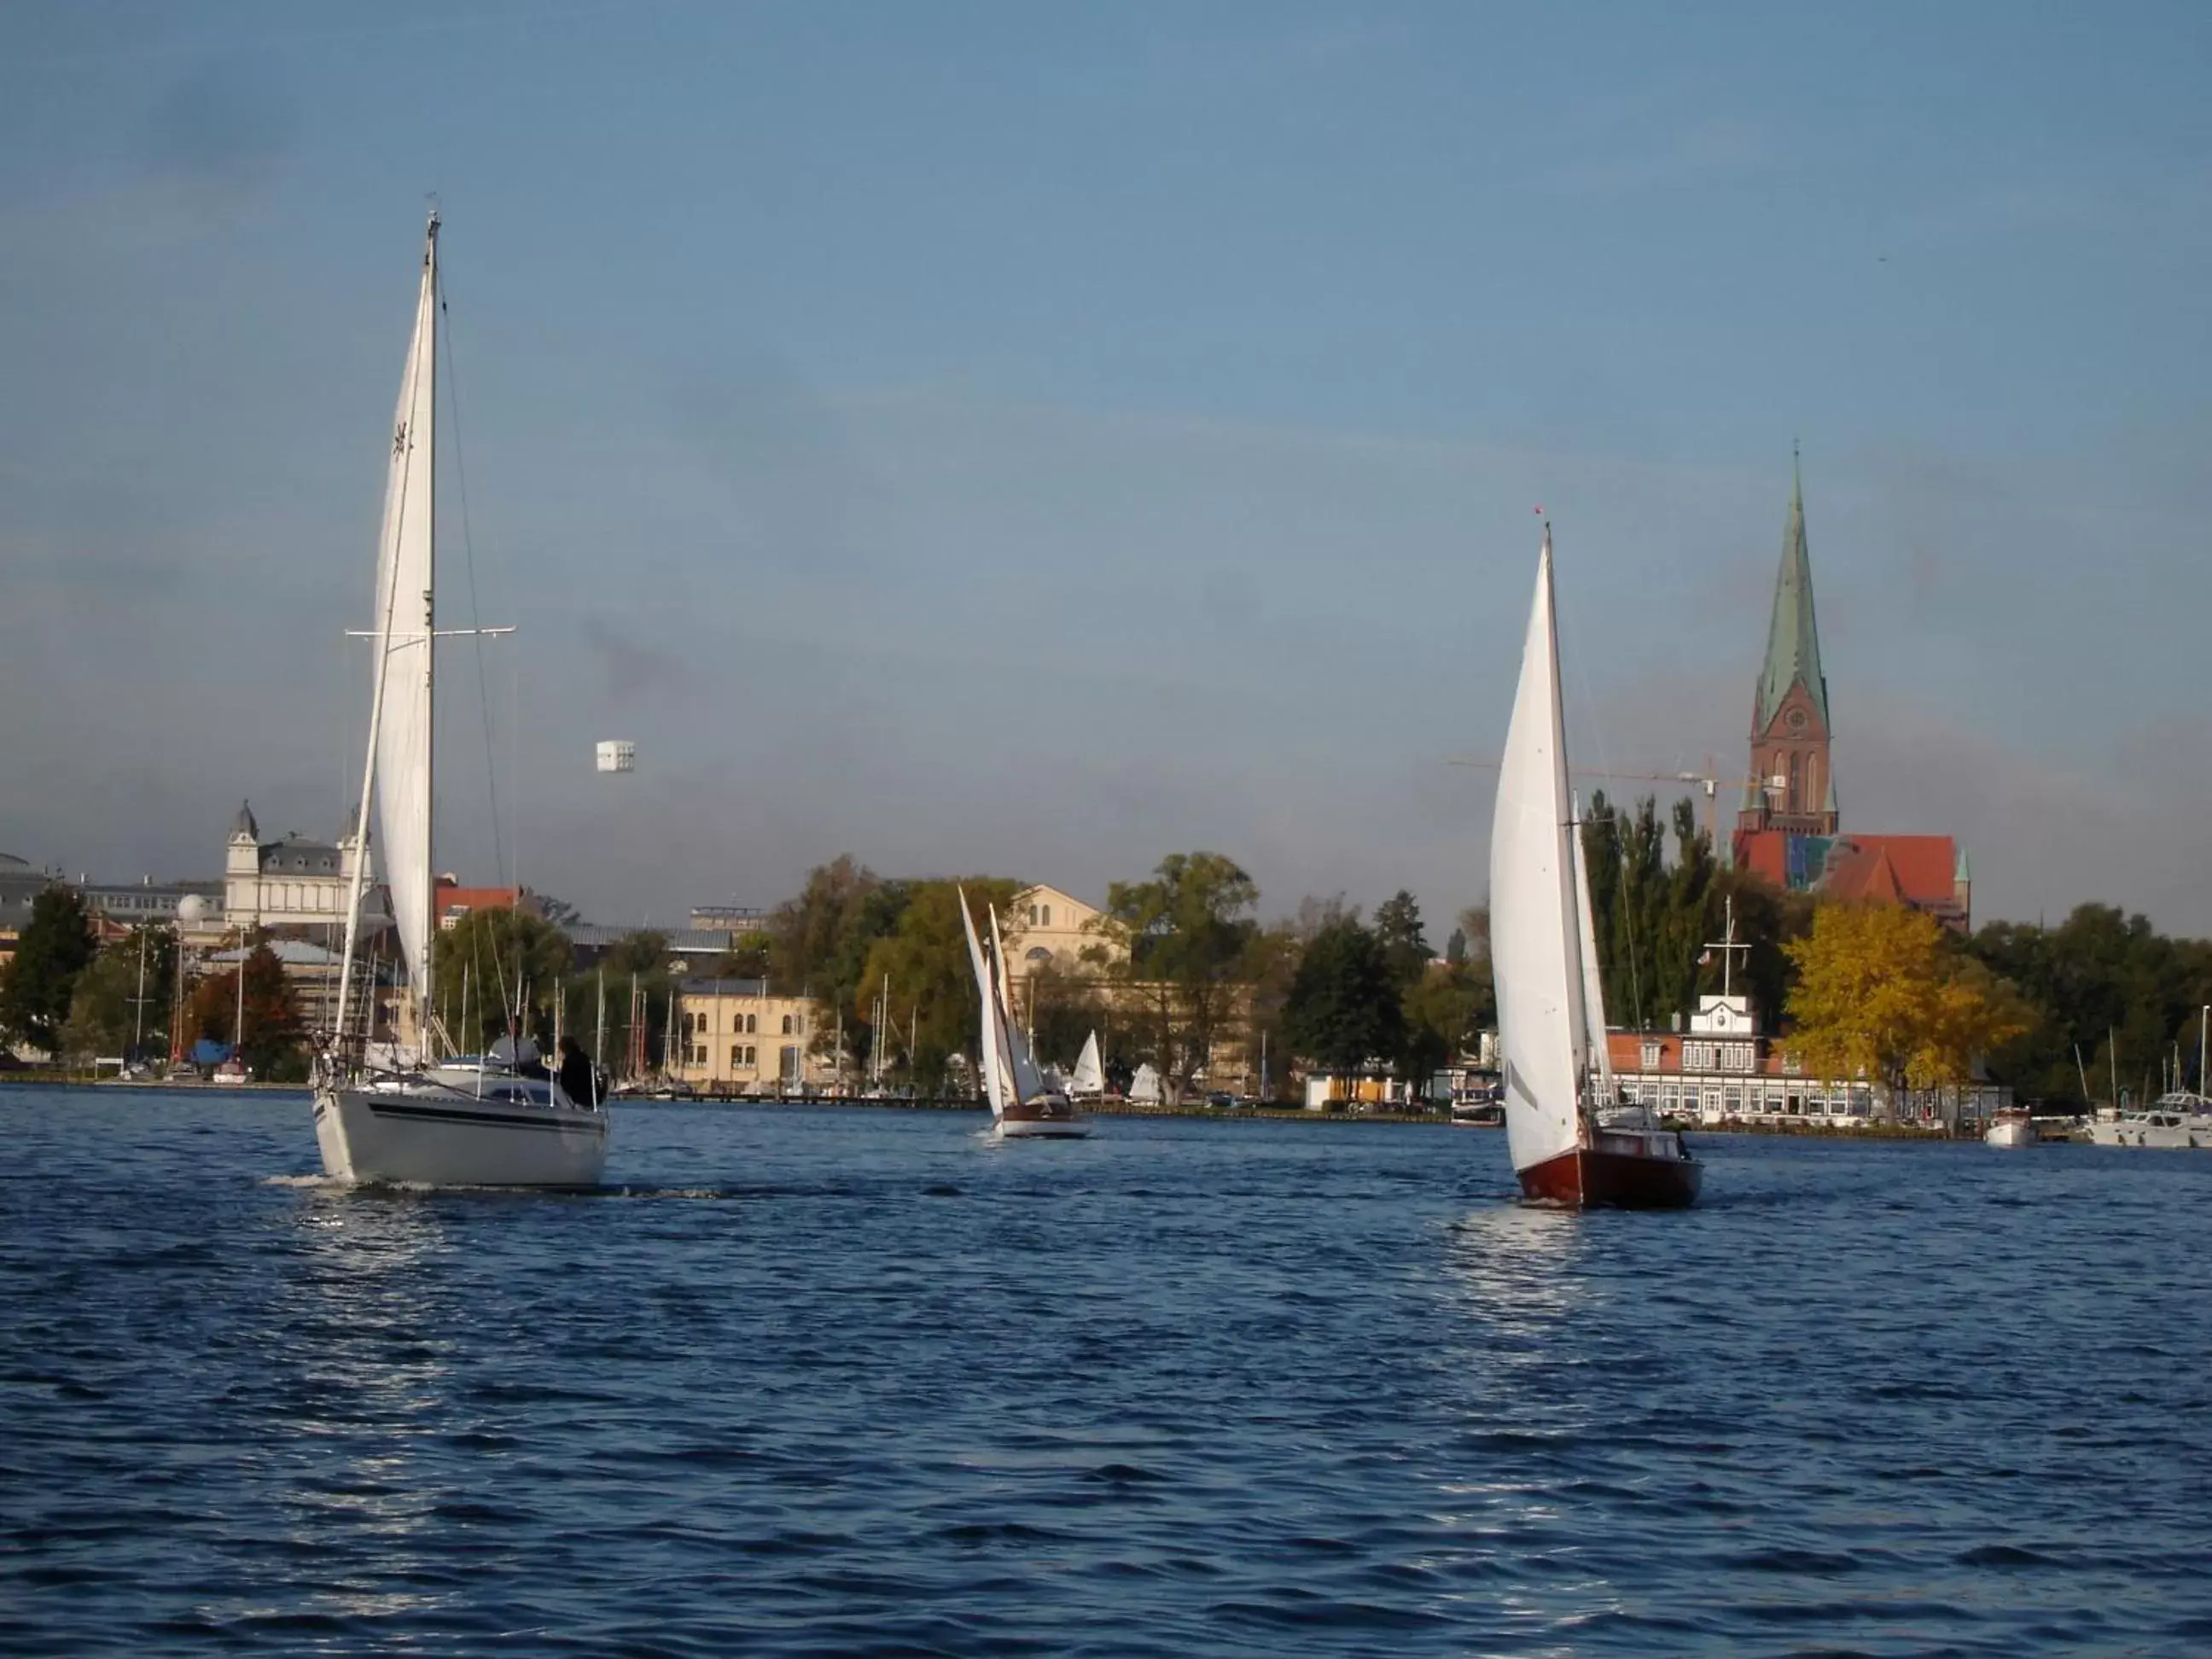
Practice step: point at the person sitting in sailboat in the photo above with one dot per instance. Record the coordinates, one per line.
(579, 1079)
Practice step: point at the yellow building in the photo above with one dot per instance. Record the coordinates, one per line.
(1046, 925)
(736, 1036)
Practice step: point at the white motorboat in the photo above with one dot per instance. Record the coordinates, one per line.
(2011, 1128)
(2176, 1121)
(1572, 1140)
(1024, 1107)
(493, 1120)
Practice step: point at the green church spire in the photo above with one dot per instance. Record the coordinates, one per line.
(1793, 639)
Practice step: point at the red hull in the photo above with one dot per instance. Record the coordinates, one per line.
(1622, 1180)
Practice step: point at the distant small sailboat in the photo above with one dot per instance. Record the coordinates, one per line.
(1572, 1139)
(1023, 1105)
(1089, 1080)
(494, 1119)
(1145, 1086)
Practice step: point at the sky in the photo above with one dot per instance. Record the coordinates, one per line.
(1037, 438)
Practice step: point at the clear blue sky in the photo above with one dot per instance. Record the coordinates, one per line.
(1037, 438)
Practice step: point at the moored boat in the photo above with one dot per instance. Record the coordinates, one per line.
(2011, 1127)
(403, 1114)
(1572, 1139)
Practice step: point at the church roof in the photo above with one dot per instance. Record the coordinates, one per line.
(243, 825)
(1793, 638)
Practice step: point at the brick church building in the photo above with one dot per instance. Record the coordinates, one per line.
(1790, 828)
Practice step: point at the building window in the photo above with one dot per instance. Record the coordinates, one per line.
(736, 1056)
(1048, 916)
(786, 1025)
(1651, 1056)
(752, 1023)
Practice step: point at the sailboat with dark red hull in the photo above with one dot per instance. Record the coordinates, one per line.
(1573, 1139)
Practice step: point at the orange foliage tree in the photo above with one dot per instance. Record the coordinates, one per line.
(272, 1013)
(1881, 994)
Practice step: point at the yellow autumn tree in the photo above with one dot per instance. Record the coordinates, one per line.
(1879, 994)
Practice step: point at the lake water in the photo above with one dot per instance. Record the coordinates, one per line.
(862, 1381)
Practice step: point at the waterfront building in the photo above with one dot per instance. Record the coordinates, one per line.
(740, 1036)
(1050, 926)
(730, 919)
(116, 907)
(293, 882)
(1790, 829)
(1722, 1070)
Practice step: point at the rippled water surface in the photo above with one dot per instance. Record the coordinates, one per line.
(841, 1381)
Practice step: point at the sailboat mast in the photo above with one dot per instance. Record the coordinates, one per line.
(429, 871)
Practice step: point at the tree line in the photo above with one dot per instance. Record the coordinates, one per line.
(1180, 962)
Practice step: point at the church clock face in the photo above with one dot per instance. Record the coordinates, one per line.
(1796, 719)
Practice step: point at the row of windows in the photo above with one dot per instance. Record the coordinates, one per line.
(749, 1024)
(1737, 1098)
(1040, 915)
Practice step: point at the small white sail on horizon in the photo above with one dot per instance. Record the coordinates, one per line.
(1089, 1078)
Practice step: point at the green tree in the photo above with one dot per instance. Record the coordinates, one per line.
(1404, 943)
(1650, 916)
(109, 1010)
(503, 963)
(1184, 934)
(1344, 1011)
(748, 957)
(2108, 995)
(934, 1004)
(638, 961)
(1446, 1011)
(56, 945)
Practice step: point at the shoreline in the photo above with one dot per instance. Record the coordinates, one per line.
(1936, 1134)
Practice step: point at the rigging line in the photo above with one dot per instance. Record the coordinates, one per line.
(469, 561)
(1597, 730)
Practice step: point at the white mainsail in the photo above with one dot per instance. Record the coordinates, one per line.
(1534, 928)
(1090, 1077)
(994, 1081)
(402, 638)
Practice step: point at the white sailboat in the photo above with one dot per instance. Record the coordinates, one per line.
(1023, 1105)
(1572, 1141)
(1089, 1080)
(497, 1120)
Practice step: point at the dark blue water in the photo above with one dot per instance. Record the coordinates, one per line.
(846, 1382)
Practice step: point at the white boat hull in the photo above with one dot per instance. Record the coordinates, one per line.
(422, 1132)
(1068, 1125)
(2138, 1131)
(2010, 1132)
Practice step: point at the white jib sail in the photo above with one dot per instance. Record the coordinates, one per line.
(402, 630)
(1600, 1062)
(1534, 928)
(1029, 1082)
(995, 1083)
(1090, 1077)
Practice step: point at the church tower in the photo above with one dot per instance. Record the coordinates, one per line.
(1793, 790)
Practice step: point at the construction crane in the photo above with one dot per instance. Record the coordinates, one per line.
(1709, 782)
